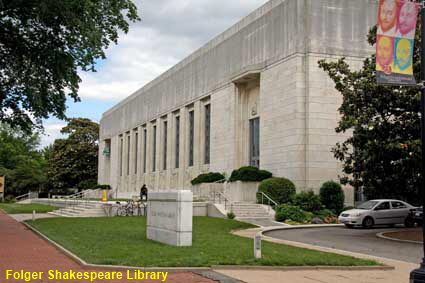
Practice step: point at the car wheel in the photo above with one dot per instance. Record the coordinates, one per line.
(409, 222)
(349, 226)
(368, 222)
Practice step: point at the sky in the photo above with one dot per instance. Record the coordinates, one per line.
(169, 31)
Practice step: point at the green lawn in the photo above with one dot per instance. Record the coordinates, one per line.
(15, 208)
(122, 241)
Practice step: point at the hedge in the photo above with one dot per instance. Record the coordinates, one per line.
(280, 190)
(249, 174)
(207, 178)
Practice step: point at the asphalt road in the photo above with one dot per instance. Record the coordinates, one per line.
(355, 240)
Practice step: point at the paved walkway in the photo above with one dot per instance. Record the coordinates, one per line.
(357, 240)
(399, 275)
(262, 222)
(21, 249)
(25, 216)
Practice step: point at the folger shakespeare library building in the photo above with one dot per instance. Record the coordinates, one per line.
(254, 95)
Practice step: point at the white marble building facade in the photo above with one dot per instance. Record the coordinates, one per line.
(252, 95)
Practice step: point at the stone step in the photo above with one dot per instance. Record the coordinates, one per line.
(248, 209)
(251, 214)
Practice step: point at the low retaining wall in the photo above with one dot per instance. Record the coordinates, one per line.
(199, 208)
(206, 190)
(241, 191)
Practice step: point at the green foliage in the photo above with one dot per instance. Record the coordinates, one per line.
(73, 161)
(22, 164)
(347, 208)
(291, 212)
(9, 199)
(231, 215)
(43, 46)
(17, 208)
(249, 174)
(307, 201)
(280, 190)
(324, 214)
(211, 236)
(383, 154)
(332, 196)
(87, 184)
(103, 187)
(207, 178)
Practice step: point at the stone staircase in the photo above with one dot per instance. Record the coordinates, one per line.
(250, 210)
(81, 210)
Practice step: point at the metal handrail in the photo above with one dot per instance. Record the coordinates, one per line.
(269, 200)
(75, 199)
(227, 201)
(22, 196)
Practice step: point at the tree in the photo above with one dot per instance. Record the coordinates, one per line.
(43, 43)
(20, 161)
(383, 155)
(73, 161)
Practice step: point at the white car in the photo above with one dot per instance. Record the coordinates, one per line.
(376, 212)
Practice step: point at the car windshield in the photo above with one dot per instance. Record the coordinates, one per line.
(367, 205)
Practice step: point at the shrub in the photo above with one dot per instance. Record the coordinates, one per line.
(249, 174)
(290, 212)
(10, 199)
(324, 213)
(332, 196)
(87, 185)
(230, 215)
(103, 187)
(280, 190)
(207, 178)
(308, 201)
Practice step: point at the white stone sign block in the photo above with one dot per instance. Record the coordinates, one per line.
(170, 217)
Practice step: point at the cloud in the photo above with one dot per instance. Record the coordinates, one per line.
(169, 31)
(51, 132)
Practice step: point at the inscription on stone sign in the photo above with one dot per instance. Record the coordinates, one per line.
(170, 217)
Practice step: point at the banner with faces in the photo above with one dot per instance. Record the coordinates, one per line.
(395, 41)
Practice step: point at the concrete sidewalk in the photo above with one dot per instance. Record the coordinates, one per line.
(27, 216)
(399, 275)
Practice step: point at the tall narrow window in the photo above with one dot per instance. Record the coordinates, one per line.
(154, 149)
(136, 151)
(254, 146)
(177, 144)
(207, 133)
(165, 146)
(128, 154)
(145, 138)
(191, 136)
(121, 154)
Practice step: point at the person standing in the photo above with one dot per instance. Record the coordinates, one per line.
(144, 192)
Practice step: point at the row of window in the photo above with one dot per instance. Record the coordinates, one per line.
(165, 128)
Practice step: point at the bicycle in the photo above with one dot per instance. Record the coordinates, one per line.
(125, 209)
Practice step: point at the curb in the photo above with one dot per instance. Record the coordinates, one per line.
(329, 250)
(301, 268)
(201, 270)
(309, 226)
(382, 236)
(84, 263)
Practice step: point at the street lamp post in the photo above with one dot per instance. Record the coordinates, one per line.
(418, 275)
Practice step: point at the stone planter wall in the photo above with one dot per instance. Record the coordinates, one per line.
(206, 190)
(241, 191)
